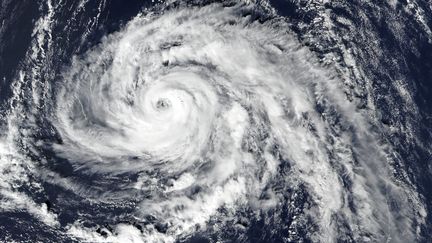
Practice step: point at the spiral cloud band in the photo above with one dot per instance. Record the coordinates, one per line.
(199, 112)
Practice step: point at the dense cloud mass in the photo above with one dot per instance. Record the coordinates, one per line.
(189, 119)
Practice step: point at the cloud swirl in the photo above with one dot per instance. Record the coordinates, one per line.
(221, 107)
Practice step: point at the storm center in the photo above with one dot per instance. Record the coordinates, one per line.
(163, 104)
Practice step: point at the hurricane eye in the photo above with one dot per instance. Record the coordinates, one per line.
(163, 104)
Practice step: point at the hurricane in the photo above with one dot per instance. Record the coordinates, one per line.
(202, 121)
